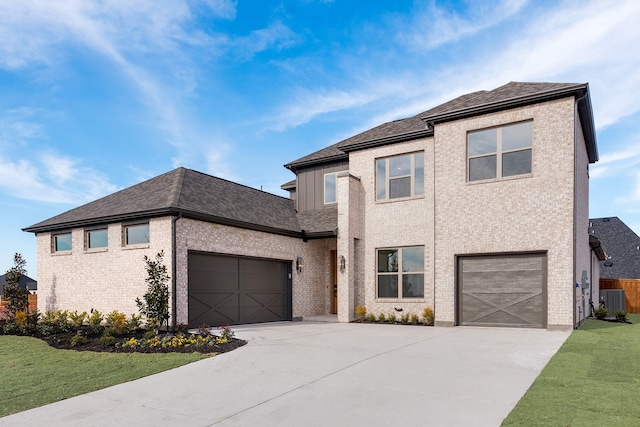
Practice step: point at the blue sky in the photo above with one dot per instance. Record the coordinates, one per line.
(97, 96)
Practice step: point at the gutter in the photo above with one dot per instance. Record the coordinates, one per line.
(174, 271)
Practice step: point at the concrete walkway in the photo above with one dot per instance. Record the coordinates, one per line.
(319, 374)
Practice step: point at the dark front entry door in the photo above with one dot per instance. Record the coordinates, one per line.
(235, 290)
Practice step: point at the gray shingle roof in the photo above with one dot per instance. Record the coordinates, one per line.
(188, 192)
(511, 95)
(23, 283)
(324, 221)
(622, 246)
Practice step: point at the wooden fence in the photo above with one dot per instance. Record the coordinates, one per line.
(631, 291)
(33, 302)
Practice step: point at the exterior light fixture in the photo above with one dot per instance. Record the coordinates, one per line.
(343, 264)
(299, 264)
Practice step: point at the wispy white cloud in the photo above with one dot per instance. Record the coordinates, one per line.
(53, 178)
(276, 36)
(432, 26)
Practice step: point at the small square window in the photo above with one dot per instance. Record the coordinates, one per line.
(61, 242)
(136, 234)
(500, 152)
(400, 176)
(96, 238)
(401, 272)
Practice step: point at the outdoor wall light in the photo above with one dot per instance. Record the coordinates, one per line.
(299, 264)
(343, 264)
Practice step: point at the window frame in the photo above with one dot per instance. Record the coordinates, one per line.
(125, 234)
(399, 273)
(54, 242)
(500, 153)
(335, 189)
(412, 175)
(87, 238)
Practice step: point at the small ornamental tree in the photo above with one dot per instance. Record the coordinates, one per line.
(17, 299)
(155, 303)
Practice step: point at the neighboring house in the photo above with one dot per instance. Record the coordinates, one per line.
(622, 246)
(477, 208)
(24, 283)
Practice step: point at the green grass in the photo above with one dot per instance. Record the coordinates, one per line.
(33, 374)
(593, 380)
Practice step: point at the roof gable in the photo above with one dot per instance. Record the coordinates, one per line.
(184, 192)
(510, 95)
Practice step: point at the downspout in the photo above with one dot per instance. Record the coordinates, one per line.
(433, 220)
(174, 269)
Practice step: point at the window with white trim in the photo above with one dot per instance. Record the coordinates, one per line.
(500, 152)
(400, 176)
(61, 242)
(400, 272)
(136, 234)
(330, 188)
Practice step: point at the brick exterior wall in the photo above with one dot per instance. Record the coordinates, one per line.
(104, 279)
(390, 224)
(528, 213)
(546, 211)
(311, 288)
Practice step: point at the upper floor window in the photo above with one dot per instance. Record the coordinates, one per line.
(61, 242)
(330, 188)
(136, 234)
(400, 176)
(500, 152)
(97, 238)
(400, 272)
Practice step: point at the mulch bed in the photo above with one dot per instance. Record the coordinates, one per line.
(62, 340)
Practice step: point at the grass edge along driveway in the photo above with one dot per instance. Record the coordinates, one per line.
(33, 374)
(593, 379)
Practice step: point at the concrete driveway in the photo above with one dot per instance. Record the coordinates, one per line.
(319, 374)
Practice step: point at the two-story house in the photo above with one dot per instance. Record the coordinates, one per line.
(477, 208)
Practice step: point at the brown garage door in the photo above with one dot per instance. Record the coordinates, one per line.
(233, 290)
(503, 290)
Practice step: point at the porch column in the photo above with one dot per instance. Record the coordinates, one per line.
(349, 229)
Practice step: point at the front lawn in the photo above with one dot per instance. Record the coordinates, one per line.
(594, 379)
(33, 374)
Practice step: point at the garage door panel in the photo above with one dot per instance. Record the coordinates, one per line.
(506, 290)
(234, 290)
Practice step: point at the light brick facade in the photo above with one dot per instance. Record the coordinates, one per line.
(104, 279)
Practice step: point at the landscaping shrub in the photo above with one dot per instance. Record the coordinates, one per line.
(601, 313)
(361, 311)
(117, 321)
(155, 303)
(405, 318)
(427, 316)
(370, 317)
(415, 319)
(107, 341)
(392, 318)
(134, 323)
(77, 319)
(77, 340)
(621, 315)
(95, 321)
(17, 299)
(381, 317)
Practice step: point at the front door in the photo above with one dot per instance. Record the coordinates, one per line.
(333, 285)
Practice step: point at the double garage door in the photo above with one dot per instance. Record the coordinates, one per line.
(503, 290)
(228, 290)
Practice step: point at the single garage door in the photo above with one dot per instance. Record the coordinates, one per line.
(228, 290)
(503, 290)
